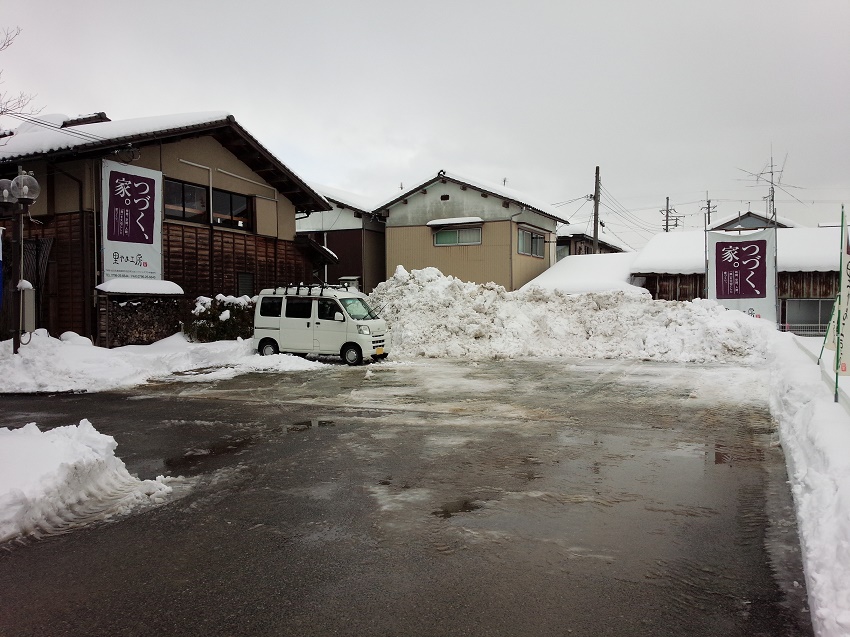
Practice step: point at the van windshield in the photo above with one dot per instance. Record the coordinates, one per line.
(357, 309)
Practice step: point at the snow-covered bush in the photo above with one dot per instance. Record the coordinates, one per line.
(223, 318)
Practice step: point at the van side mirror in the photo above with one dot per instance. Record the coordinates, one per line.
(338, 316)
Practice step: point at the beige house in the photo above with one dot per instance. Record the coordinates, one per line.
(471, 230)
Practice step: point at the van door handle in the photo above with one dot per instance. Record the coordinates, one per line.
(308, 323)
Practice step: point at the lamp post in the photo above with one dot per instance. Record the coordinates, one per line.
(23, 190)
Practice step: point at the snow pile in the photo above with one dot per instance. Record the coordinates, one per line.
(815, 434)
(71, 363)
(69, 476)
(433, 315)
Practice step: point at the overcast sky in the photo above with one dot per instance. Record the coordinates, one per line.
(668, 98)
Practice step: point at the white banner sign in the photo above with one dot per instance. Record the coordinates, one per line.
(132, 222)
(742, 272)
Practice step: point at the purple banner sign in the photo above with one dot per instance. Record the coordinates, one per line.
(741, 269)
(132, 212)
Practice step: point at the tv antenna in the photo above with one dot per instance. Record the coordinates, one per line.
(773, 178)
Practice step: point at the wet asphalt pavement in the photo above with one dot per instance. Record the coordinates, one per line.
(523, 497)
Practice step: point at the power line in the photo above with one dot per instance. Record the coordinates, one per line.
(89, 137)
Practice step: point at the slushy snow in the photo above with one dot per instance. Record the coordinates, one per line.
(432, 315)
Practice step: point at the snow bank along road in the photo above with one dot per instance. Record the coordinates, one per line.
(444, 497)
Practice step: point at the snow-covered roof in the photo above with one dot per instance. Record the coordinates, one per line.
(581, 273)
(494, 189)
(45, 134)
(51, 135)
(355, 201)
(783, 221)
(139, 286)
(454, 221)
(798, 250)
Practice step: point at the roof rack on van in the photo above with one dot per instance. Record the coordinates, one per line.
(307, 288)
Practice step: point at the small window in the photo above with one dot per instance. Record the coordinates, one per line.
(458, 237)
(271, 306)
(298, 307)
(444, 197)
(245, 283)
(530, 243)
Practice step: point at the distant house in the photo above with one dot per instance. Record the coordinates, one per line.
(750, 221)
(353, 233)
(470, 229)
(574, 239)
(672, 267)
(193, 199)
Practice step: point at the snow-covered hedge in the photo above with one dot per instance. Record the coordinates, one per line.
(220, 319)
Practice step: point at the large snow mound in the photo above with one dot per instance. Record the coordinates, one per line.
(56, 480)
(433, 315)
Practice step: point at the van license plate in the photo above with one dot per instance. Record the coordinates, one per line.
(379, 350)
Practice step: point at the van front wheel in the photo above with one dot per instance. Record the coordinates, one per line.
(268, 348)
(351, 354)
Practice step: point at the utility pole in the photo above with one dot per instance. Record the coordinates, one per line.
(667, 216)
(596, 214)
(708, 209)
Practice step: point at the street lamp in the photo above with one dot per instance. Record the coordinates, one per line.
(24, 190)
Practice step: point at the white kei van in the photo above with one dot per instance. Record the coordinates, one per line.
(318, 319)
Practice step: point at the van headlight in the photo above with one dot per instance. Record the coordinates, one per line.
(363, 329)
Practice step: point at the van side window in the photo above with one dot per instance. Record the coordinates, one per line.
(298, 307)
(327, 309)
(271, 305)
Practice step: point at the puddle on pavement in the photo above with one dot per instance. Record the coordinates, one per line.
(197, 457)
(304, 425)
(457, 506)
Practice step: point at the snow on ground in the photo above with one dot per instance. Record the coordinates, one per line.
(46, 479)
(54, 480)
(815, 435)
(72, 363)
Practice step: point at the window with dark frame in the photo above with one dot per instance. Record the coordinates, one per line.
(184, 201)
(530, 243)
(271, 306)
(188, 202)
(298, 307)
(232, 210)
